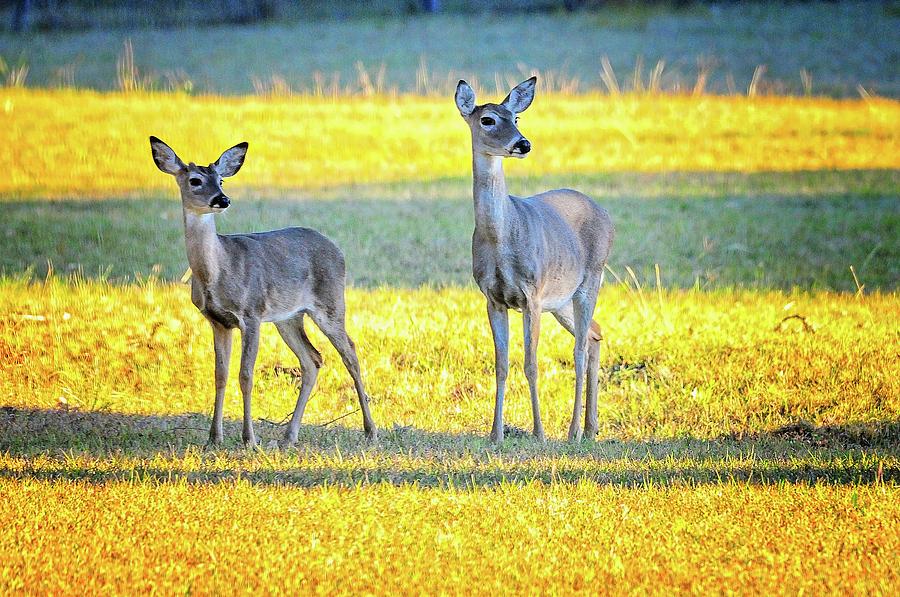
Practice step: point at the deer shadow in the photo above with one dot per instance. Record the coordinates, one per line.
(799, 453)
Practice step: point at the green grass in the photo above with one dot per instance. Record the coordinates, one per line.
(840, 46)
(749, 406)
(427, 357)
(709, 230)
(734, 444)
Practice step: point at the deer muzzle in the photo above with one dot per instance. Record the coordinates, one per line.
(522, 146)
(220, 201)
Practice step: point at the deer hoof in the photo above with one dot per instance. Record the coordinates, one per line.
(287, 443)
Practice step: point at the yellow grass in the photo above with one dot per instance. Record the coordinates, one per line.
(135, 537)
(696, 484)
(691, 363)
(81, 143)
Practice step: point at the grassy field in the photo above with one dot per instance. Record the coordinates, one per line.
(749, 396)
(781, 460)
(64, 150)
(208, 539)
(737, 192)
(839, 47)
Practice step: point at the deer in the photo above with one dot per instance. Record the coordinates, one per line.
(239, 281)
(544, 253)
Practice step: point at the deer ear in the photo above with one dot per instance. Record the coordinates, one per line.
(231, 160)
(166, 159)
(465, 98)
(521, 96)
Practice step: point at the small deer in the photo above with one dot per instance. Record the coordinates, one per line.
(540, 253)
(242, 280)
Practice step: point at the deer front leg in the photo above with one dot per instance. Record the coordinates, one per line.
(499, 320)
(222, 344)
(249, 349)
(531, 319)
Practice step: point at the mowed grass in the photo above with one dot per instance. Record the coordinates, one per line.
(72, 143)
(751, 205)
(739, 450)
(680, 363)
(749, 435)
(209, 539)
(764, 231)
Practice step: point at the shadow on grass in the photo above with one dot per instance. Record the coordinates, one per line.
(99, 447)
(772, 235)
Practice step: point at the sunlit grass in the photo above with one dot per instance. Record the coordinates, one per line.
(70, 143)
(676, 363)
(748, 437)
(140, 537)
(745, 437)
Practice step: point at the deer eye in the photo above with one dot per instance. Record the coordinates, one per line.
(488, 121)
(195, 182)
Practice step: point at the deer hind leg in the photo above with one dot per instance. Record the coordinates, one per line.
(295, 337)
(566, 317)
(333, 326)
(586, 329)
(593, 373)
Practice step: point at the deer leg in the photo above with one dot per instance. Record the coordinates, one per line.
(334, 329)
(249, 350)
(222, 344)
(593, 368)
(294, 336)
(531, 319)
(566, 317)
(499, 320)
(583, 307)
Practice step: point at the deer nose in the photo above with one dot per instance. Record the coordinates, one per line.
(220, 201)
(522, 146)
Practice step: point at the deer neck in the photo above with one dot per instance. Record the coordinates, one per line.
(491, 196)
(203, 246)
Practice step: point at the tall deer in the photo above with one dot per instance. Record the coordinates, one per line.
(537, 254)
(242, 280)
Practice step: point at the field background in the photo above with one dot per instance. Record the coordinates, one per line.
(750, 379)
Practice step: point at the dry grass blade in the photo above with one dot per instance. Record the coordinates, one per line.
(126, 71)
(705, 67)
(654, 86)
(806, 80)
(637, 77)
(859, 287)
(608, 76)
(754, 88)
